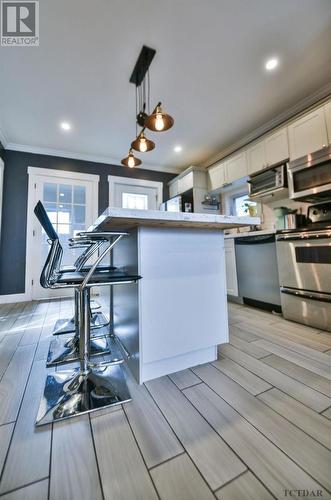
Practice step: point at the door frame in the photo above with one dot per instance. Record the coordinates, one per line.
(33, 173)
(115, 179)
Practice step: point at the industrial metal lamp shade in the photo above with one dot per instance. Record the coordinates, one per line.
(159, 121)
(131, 161)
(142, 144)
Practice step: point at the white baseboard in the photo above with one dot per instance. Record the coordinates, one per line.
(15, 297)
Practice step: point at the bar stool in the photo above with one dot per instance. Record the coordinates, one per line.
(91, 386)
(67, 349)
(97, 318)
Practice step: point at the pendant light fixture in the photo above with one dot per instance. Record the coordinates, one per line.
(157, 121)
(142, 144)
(131, 161)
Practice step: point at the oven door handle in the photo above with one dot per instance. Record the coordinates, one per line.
(303, 237)
(319, 297)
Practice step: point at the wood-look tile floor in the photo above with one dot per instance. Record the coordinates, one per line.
(252, 425)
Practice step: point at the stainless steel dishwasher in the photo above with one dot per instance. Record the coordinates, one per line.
(257, 271)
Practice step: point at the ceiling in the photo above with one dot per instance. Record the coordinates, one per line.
(208, 72)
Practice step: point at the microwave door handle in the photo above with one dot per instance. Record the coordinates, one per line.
(319, 297)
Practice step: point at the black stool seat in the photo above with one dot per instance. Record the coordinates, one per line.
(99, 276)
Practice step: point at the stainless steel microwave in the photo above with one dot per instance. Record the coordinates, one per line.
(269, 183)
(309, 177)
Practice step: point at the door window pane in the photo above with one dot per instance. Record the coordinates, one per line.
(79, 195)
(50, 192)
(67, 213)
(135, 201)
(79, 214)
(65, 193)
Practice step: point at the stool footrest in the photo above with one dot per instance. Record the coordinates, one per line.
(69, 393)
(65, 326)
(63, 350)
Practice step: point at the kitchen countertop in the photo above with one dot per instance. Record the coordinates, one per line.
(122, 218)
(250, 233)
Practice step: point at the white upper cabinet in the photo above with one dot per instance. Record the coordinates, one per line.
(236, 167)
(308, 134)
(194, 178)
(256, 159)
(273, 149)
(327, 110)
(276, 147)
(185, 183)
(173, 188)
(216, 176)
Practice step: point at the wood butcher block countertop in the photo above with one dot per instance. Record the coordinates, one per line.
(125, 219)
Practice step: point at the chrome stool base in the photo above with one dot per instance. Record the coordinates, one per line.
(64, 326)
(64, 350)
(70, 393)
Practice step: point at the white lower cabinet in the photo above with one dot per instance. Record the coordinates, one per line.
(231, 267)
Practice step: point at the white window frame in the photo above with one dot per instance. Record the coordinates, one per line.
(114, 179)
(33, 173)
(228, 196)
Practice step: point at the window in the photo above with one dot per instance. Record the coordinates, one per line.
(135, 201)
(65, 205)
(242, 206)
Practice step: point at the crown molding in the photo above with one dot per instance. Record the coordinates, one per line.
(24, 148)
(302, 106)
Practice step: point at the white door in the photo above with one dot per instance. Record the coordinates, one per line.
(135, 194)
(71, 205)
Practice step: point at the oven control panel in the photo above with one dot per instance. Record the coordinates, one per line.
(320, 212)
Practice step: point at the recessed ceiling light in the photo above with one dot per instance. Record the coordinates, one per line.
(178, 149)
(65, 126)
(271, 63)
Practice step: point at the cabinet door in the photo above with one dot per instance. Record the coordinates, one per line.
(185, 183)
(308, 134)
(173, 189)
(276, 147)
(256, 157)
(236, 167)
(216, 176)
(231, 267)
(327, 110)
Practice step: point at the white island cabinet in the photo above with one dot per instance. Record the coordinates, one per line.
(176, 315)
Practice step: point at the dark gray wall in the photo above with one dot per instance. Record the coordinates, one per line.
(15, 197)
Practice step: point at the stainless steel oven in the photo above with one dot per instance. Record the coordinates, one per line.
(304, 266)
(309, 177)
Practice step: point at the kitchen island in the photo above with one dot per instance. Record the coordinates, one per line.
(176, 315)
